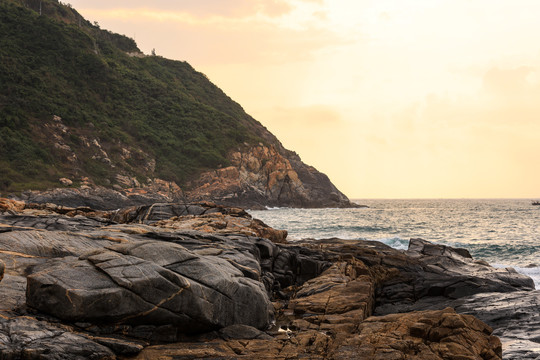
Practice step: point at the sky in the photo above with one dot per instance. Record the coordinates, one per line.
(389, 98)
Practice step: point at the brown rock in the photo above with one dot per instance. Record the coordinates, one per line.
(11, 205)
(65, 181)
(263, 176)
(388, 337)
(440, 334)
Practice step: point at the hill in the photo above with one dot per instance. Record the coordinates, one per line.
(85, 105)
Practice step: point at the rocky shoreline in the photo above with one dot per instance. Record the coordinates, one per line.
(202, 281)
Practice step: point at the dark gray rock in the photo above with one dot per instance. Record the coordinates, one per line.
(25, 338)
(12, 293)
(2, 268)
(153, 283)
(48, 222)
(439, 274)
(56, 244)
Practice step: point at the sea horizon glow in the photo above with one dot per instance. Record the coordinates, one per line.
(436, 99)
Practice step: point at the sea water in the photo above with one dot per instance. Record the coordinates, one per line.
(505, 233)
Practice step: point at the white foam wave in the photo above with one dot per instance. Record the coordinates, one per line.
(395, 242)
(532, 272)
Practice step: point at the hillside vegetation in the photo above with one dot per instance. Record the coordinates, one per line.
(121, 112)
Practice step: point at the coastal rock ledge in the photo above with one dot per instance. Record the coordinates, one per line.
(257, 176)
(151, 282)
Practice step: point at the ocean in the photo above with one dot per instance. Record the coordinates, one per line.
(504, 232)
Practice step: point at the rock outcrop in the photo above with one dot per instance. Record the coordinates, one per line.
(258, 177)
(140, 283)
(262, 176)
(150, 283)
(102, 198)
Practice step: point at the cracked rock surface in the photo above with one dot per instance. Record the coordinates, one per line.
(144, 283)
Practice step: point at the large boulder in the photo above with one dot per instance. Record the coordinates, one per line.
(151, 283)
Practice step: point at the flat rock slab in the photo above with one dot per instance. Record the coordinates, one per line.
(26, 338)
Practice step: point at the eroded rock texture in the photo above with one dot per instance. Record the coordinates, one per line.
(152, 283)
(142, 283)
(263, 176)
(23, 337)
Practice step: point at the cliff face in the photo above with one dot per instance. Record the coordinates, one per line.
(261, 176)
(80, 112)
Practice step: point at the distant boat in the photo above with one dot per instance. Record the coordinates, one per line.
(536, 202)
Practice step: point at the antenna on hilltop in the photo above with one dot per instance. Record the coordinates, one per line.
(39, 7)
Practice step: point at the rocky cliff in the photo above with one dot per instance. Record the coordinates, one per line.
(83, 109)
(261, 176)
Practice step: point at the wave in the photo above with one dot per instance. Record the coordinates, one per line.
(395, 242)
(533, 272)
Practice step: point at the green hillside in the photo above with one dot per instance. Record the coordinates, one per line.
(103, 88)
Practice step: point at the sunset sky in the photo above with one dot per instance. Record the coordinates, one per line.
(389, 98)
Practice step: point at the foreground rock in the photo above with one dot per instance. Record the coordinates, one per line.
(153, 283)
(140, 282)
